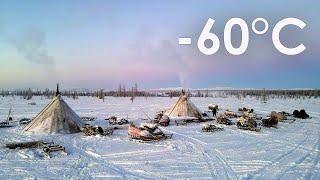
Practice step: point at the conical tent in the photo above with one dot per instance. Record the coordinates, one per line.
(184, 108)
(56, 117)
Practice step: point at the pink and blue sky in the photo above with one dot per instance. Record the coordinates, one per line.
(99, 44)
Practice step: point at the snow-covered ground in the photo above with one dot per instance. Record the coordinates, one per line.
(290, 151)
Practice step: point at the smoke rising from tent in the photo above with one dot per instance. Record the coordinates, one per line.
(32, 45)
(169, 52)
(162, 53)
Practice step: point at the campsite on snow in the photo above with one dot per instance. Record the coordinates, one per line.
(218, 136)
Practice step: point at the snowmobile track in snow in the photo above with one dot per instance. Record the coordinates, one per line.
(198, 147)
(278, 160)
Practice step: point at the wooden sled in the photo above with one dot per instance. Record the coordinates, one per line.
(50, 147)
(181, 122)
(23, 145)
(88, 118)
(150, 139)
(5, 125)
(24, 121)
(46, 147)
(211, 128)
(186, 121)
(249, 128)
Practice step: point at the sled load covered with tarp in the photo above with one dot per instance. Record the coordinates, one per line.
(279, 116)
(302, 114)
(223, 119)
(213, 108)
(247, 124)
(230, 114)
(147, 132)
(270, 122)
(89, 130)
(113, 120)
(275, 117)
(161, 119)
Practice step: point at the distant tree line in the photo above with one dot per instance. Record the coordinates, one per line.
(275, 93)
(120, 92)
(263, 94)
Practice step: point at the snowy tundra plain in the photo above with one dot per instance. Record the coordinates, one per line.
(291, 151)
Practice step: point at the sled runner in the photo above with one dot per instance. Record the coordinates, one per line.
(211, 128)
(5, 125)
(46, 147)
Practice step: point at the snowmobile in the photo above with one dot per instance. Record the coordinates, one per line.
(91, 131)
(147, 132)
(247, 124)
(211, 128)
